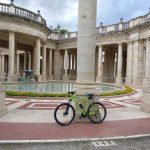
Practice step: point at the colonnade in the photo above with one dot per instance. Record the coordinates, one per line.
(126, 63)
(47, 63)
(135, 65)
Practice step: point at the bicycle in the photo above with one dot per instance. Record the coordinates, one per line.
(64, 113)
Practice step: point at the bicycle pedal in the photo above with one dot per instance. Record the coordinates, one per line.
(80, 117)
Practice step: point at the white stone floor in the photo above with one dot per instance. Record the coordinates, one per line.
(42, 110)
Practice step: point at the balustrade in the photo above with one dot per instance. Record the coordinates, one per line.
(7, 8)
(4, 8)
(18, 11)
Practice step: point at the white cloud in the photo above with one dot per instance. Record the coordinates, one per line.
(64, 12)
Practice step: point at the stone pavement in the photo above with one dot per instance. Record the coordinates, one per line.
(32, 119)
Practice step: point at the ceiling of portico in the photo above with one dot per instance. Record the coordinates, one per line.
(24, 42)
(19, 38)
(114, 47)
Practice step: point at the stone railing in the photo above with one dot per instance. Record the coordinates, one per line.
(107, 29)
(18, 11)
(123, 25)
(68, 35)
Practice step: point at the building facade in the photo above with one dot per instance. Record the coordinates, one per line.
(26, 43)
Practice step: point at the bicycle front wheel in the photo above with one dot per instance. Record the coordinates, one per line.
(64, 114)
(96, 112)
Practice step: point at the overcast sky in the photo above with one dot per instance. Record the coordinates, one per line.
(64, 12)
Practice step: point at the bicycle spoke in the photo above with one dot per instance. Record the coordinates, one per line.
(96, 112)
(64, 114)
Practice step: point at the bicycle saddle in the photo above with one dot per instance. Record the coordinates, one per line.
(90, 96)
(72, 92)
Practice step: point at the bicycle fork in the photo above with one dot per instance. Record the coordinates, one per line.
(67, 108)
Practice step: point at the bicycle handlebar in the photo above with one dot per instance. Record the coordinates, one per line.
(72, 92)
(90, 96)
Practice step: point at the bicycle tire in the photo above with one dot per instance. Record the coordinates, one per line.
(94, 110)
(59, 111)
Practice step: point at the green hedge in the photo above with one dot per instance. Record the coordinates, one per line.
(127, 90)
(33, 94)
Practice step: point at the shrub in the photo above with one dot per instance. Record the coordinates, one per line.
(127, 90)
(34, 94)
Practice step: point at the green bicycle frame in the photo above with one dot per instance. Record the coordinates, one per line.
(81, 101)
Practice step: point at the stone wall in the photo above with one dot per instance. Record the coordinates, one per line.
(3, 109)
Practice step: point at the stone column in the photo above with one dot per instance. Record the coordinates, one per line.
(57, 65)
(37, 51)
(141, 63)
(2, 68)
(129, 63)
(135, 65)
(73, 63)
(18, 64)
(69, 64)
(147, 63)
(65, 77)
(15, 59)
(29, 61)
(86, 41)
(11, 76)
(44, 62)
(146, 87)
(2, 65)
(25, 61)
(100, 66)
(86, 45)
(119, 65)
(61, 65)
(50, 64)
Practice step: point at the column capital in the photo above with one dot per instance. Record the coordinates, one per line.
(119, 64)
(11, 33)
(148, 38)
(129, 42)
(44, 43)
(100, 45)
(120, 44)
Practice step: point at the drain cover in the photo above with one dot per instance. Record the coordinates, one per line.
(104, 143)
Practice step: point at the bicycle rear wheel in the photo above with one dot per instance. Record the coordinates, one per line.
(64, 114)
(96, 112)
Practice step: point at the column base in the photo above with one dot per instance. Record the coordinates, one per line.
(118, 80)
(65, 77)
(82, 89)
(2, 77)
(128, 81)
(12, 78)
(99, 79)
(56, 77)
(146, 81)
(51, 77)
(42, 78)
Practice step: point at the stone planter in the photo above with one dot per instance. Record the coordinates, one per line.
(3, 108)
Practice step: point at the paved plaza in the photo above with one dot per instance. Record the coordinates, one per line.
(32, 119)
